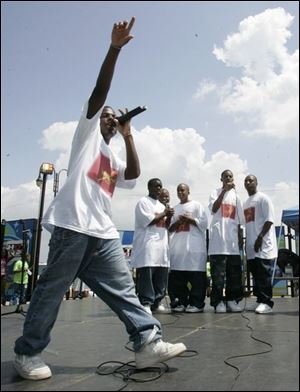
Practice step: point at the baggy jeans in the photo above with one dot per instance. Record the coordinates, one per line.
(226, 268)
(261, 270)
(151, 284)
(101, 264)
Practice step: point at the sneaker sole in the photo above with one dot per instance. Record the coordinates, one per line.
(267, 312)
(181, 348)
(41, 376)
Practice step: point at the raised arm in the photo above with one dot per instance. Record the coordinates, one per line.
(119, 37)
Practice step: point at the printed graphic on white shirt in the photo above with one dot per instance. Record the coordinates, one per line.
(185, 226)
(249, 214)
(161, 222)
(102, 173)
(228, 211)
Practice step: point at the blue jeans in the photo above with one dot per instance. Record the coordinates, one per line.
(151, 284)
(226, 271)
(102, 266)
(181, 294)
(261, 270)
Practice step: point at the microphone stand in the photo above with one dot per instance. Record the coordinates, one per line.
(19, 308)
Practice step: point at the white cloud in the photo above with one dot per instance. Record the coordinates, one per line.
(205, 87)
(259, 46)
(266, 97)
(58, 136)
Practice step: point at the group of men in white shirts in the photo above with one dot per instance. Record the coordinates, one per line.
(170, 252)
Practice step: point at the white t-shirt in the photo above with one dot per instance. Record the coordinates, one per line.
(83, 204)
(223, 231)
(258, 209)
(150, 242)
(187, 242)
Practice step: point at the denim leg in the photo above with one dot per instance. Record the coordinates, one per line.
(234, 287)
(262, 274)
(67, 251)
(217, 271)
(178, 289)
(160, 283)
(198, 290)
(144, 286)
(109, 277)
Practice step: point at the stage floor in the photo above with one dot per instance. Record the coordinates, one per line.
(87, 333)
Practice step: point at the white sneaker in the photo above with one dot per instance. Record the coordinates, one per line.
(263, 308)
(232, 306)
(31, 367)
(220, 308)
(161, 309)
(179, 309)
(148, 309)
(157, 352)
(193, 309)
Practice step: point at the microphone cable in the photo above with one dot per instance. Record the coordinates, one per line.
(126, 371)
(226, 360)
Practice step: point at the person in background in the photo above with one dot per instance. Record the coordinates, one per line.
(4, 260)
(150, 248)
(85, 242)
(261, 244)
(20, 279)
(225, 241)
(164, 198)
(188, 255)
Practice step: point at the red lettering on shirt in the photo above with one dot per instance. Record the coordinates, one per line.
(183, 227)
(228, 211)
(249, 214)
(102, 173)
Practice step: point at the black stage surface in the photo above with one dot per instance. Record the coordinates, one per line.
(87, 333)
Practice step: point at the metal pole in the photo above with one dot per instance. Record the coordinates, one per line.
(39, 235)
(55, 183)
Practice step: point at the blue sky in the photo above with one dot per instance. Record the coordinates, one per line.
(233, 98)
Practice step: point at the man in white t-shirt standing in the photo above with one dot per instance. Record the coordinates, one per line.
(261, 244)
(188, 255)
(224, 246)
(85, 242)
(150, 248)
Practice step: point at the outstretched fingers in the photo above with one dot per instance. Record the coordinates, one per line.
(131, 23)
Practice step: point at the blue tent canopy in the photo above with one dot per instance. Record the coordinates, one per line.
(126, 237)
(291, 218)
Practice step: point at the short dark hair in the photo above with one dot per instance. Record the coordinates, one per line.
(152, 181)
(224, 171)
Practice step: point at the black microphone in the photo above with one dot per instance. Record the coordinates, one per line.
(128, 116)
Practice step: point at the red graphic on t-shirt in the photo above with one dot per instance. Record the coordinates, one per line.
(183, 227)
(228, 211)
(161, 222)
(102, 173)
(249, 214)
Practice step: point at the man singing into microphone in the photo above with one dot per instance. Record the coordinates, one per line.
(85, 242)
(224, 244)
